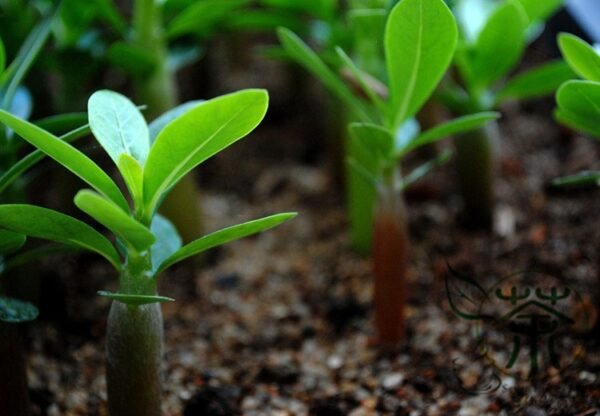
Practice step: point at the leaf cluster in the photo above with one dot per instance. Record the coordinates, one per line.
(150, 165)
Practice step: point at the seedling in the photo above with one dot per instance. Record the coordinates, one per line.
(579, 100)
(493, 37)
(146, 243)
(419, 42)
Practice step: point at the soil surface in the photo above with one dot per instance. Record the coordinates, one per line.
(280, 324)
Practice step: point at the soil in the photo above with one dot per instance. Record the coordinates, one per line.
(280, 324)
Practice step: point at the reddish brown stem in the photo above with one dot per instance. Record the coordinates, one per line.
(390, 264)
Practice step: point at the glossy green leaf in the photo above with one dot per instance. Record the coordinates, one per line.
(582, 58)
(133, 175)
(134, 300)
(133, 59)
(196, 136)
(200, 16)
(449, 128)
(168, 240)
(51, 225)
(224, 236)
(375, 140)
(66, 155)
(63, 123)
(112, 217)
(34, 157)
(540, 10)
(302, 54)
(15, 311)
(500, 45)
(537, 82)
(579, 105)
(420, 40)
(579, 179)
(10, 241)
(118, 126)
(161, 121)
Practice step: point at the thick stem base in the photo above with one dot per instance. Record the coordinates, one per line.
(134, 348)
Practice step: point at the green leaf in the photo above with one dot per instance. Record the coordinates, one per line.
(362, 79)
(373, 140)
(579, 179)
(367, 27)
(134, 300)
(2, 57)
(302, 54)
(63, 123)
(161, 121)
(196, 136)
(539, 11)
(449, 128)
(579, 105)
(133, 59)
(51, 225)
(167, 240)
(34, 157)
(112, 217)
(499, 45)
(424, 169)
(201, 16)
(10, 242)
(66, 155)
(15, 311)
(118, 126)
(582, 58)
(133, 175)
(420, 40)
(224, 236)
(537, 82)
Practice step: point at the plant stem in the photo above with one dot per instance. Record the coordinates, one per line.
(14, 393)
(158, 90)
(134, 348)
(390, 264)
(476, 162)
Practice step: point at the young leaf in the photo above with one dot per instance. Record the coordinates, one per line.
(540, 10)
(161, 121)
(167, 240)
(579, 105)
(424, 169)
(196, 136)
(224, 236)
(305, 56)
(420, 40)
(118, 126)
(582, 58)
(442, 131)
(134, 300)
(15, 311)
(499, 45)
(112, 217)
(34, 157)
(133, 175)
(579, 179)
(373, 139)
(51, 225)
(66, 155)
(133, 59)
(536, 82)
(200, 16)
(10, 241)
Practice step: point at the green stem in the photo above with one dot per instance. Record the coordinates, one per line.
(158, 90)
(476, 162)
(14, 393)
(134, 348)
